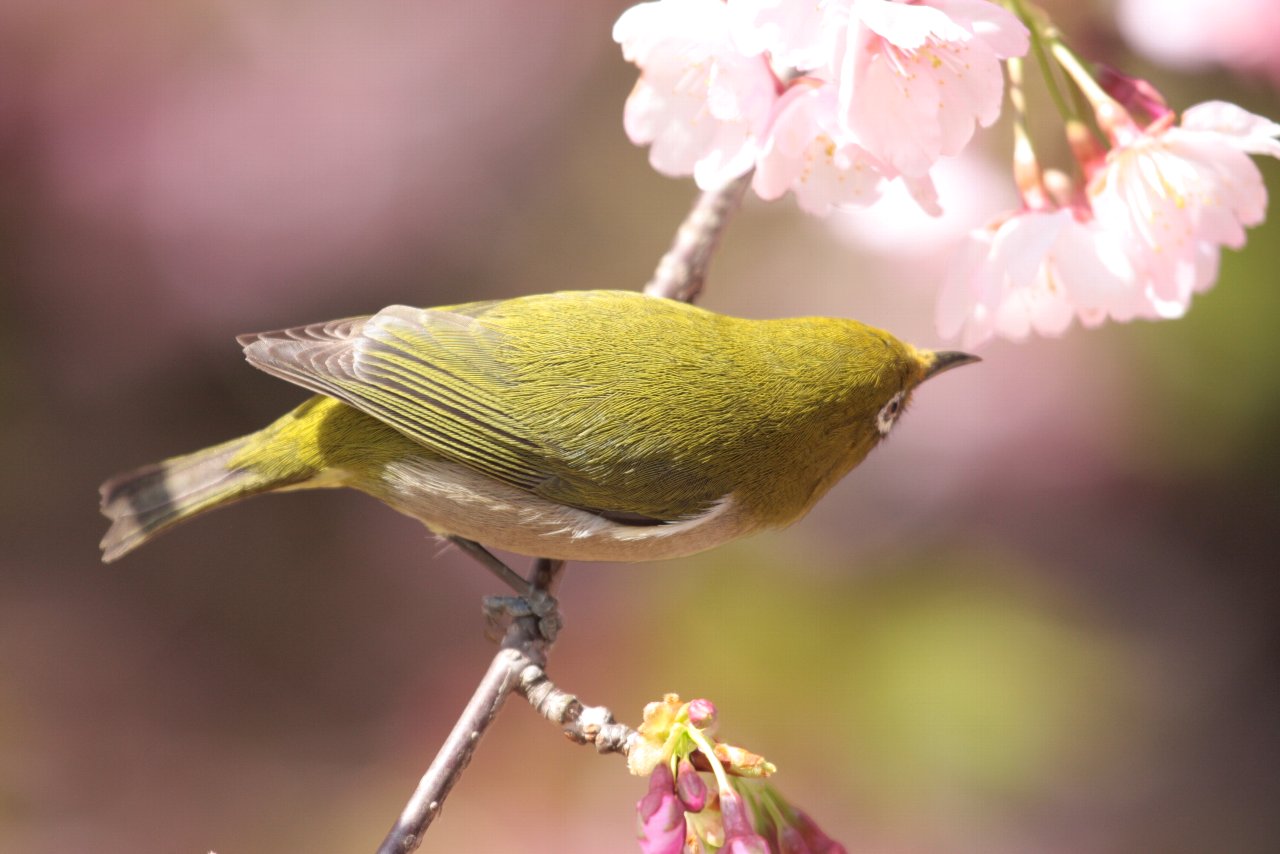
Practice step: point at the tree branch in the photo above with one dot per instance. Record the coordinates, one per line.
(683, 270)
(522, 647)
(455, 754)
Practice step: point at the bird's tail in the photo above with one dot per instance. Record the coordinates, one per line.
(144, 503)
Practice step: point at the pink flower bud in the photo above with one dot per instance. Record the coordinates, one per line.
(791, 841)
(702, 713)
(815, 839)
(690, 787)
(661, 816)
(740, 836)
(1134, 94)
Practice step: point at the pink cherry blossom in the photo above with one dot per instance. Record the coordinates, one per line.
(1034, 271)
(803, 154)
(1145, 238)
(915, 77)
(700, 103)
(828, 98)
(1177, 194)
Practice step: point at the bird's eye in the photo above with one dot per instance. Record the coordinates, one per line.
(889, 414)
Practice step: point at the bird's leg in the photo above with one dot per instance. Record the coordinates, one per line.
(546, 573)
(489, 561)
(534, 599)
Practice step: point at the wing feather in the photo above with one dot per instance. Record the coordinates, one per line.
(426, 372)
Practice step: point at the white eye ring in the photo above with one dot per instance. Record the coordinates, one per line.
(889, 413)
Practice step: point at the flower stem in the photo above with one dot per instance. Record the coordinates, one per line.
(1026, 169)
(1080, 75)
(1113, 119)
(704, 745)
(1034, 22)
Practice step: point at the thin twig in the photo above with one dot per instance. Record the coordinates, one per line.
(523, 647)
(519, 664)
(683, 270)
(454, 755)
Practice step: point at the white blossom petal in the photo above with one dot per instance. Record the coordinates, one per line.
(700, 103)
(1255, 134)
(795, 33)
(991, 23)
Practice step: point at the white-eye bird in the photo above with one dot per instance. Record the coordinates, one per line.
(583, 425)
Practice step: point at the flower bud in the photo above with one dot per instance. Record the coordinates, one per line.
(690, 787)
(791, 841)
(817, 841)
(1134, 94)
(702, 713)
(661, 816)
(740, 836)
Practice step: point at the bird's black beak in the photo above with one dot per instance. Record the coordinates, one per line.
(946, 360)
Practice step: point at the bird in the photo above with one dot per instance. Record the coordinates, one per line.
(594, 425)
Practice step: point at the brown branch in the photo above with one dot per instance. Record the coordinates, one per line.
(454, 755)
(683, 270)
(522, 647)
(581, 724)
(519, 664)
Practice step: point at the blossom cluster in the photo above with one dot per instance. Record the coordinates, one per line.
(681, 814)
(835, 99)
(830, 99)
(1136, 236)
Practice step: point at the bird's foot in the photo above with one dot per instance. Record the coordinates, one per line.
(500, 611)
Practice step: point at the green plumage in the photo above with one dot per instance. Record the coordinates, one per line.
(636, 410)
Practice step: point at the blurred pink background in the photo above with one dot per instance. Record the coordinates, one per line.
(1042, 618)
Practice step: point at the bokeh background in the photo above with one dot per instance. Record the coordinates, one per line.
(1043, 618)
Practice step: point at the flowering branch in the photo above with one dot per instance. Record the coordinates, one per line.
(834, 102)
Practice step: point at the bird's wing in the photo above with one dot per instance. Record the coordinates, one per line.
(430, 373)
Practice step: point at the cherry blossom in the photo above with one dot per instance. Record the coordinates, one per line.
(700, 103)
(805, 152)
(1145, 238)
(839, 100)
(828, 98)
(914, 78)
(1176, 194)
(660, 815)
(1035, 271)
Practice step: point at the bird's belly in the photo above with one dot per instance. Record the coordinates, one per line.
(451, 499)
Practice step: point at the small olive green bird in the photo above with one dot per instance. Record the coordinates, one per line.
(584, 425)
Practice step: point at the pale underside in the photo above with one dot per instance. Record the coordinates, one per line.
(451, 499)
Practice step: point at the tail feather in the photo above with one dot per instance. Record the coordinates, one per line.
(144, 503)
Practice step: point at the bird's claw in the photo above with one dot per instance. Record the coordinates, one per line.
(500, 611)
